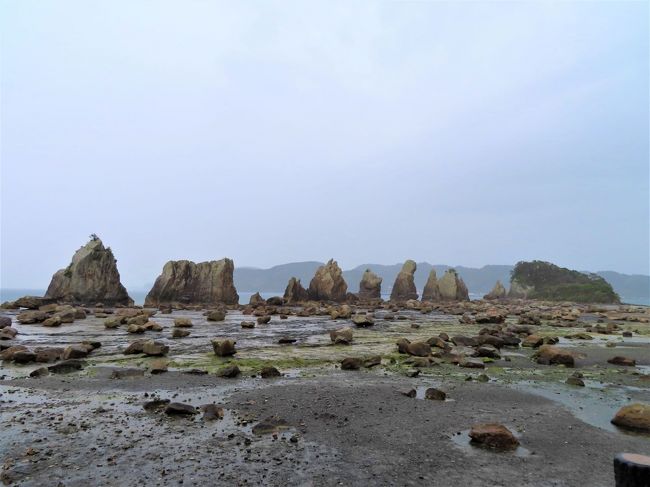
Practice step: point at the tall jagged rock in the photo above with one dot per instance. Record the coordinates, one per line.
(498, 292)
(404, 287)
(90, 278)
(452, 287)
(431, 291)
(370, 286)
(294, 292)
(185, 282)
(328, 283)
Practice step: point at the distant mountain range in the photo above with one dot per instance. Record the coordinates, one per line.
(631, 288)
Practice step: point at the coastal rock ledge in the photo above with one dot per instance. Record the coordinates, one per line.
(91, 277)
(188, 283)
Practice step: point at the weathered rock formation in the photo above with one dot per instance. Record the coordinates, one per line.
(404, 287)
(431, 291)
(546, 281)
(328, 283)
(370, 286)
(498, 292)
(452, 287)
(294, 292)
(185, 282)
(90, 278)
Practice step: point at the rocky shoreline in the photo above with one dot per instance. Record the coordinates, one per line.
(319, 386)
(319, 372)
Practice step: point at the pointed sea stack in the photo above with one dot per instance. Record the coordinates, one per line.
(452, 287)
(185, 282)
(91, 277)
(404, 287)
(498, 292)
(370, 286)
(294, 292)
(328, 283)
(431, 291)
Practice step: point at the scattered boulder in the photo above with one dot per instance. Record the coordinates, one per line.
(5, 321)
(493, 435)
(471, 363)
(205, 283)
(180, 333)
(550, 355)
(134, 347)
(263, 320)
(8, 353)
(404, 286)
(76, 351)
(633, 417)
(24, 357)
(435, 394)
(418, 349)
(624, 361)
(31, 317)
(363, 320)
(92, 276)
(248, 324)
(342, 336)
(216, 315)
(351, 363)
(179, 408)
(67, 366)
(223, 347)
(370, 286)
(369, 362)
(158, 366)
(211, 412)
(229, 372)
(533, 341)
(269, 372)
(40, 372)
(183, 322)
(328, 283)
(127, 372)
(8, 333)
(154, 349)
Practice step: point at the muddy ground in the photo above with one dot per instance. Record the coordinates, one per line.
(329, 426)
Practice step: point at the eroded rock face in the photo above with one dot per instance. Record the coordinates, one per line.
(370, 286)
(205, 283)
(452, 287)
(431, 291)
(328, 283)
(404, 287)
(91, 277)
(295, 293)
(498, 292)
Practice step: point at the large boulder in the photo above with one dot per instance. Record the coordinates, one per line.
(294, 292)
(91, 277)
(493, 435)
(32, 302)
(328, 283)
(498, 292)
(431, 291)
(634, 417)
(205, 283)
(370, 286)
(452, 287)
(404, 287)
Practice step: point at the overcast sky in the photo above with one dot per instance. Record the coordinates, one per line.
(270, 132)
